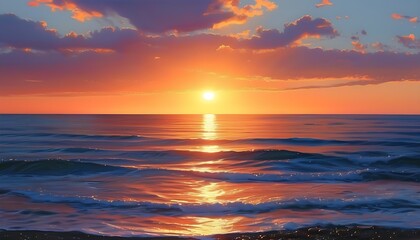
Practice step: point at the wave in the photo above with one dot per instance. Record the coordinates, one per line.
(261, 154)
(68, 135)
(329, 177)
(198, 141)
(298, 161)
(366, 204)
(69, 150)
(332, 142)
(391, 175)
(404, 161)
(55, 167)
(65, 167)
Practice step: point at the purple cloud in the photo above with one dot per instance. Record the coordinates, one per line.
(302, 28)
(159, 16)
(409, 41)
(133, 65)
(21, 33)
(137, 70)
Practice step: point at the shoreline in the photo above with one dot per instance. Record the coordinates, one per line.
(317, 232)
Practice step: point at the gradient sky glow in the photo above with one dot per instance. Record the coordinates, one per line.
(258, 56)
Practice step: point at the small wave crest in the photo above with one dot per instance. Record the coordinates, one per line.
(284, 166)
(136, 207)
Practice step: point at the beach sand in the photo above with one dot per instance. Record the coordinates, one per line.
(321, 233)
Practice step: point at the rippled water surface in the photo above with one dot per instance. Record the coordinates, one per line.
(205, 174)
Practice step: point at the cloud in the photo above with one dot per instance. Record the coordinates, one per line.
(379, 46)
(356, 37)
(106, 38)
(77, 13)
(180, 68)
(324, 3)
(344, 84)
(301, 63)
(159, 16)
(19, 33)
(342, 18)
(409, 41)
(358, 46)
(225, 48)
(139, 62)
(27, 34)
(304, 27)
(397, 16)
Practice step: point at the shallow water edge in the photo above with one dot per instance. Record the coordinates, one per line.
(317, 232)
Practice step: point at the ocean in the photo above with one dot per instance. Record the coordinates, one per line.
(195, 175)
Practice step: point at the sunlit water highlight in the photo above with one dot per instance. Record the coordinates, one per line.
(135, 175)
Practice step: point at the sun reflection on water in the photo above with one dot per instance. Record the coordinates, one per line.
(210, 148)
(210, 193)
(198, 226)
(209, 127)
(209, 226)
(209, 132)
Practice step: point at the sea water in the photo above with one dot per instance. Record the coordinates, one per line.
(140, 175)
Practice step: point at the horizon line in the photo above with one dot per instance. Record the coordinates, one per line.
(390, 114)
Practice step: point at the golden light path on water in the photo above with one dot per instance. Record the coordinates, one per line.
(205, 193)
(209, 192)
(198, 175)
(209, 127)
(201, 226)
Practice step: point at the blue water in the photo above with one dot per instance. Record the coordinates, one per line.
(139, 175)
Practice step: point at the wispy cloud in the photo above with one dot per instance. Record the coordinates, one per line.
(397, 16)
(324, 3)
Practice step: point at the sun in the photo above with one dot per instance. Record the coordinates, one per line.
(208, 95)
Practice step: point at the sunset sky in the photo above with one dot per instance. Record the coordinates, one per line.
(256, 56)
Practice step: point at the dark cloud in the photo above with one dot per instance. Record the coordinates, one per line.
(35, 35)
(163, 15)
(300, 29)
(106, 38)
(355, 38)
(302, 62)
(159, 16)
(21, 33)
(409, 41)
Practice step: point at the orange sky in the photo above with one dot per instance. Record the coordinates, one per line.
(76, 57)
(372, 99)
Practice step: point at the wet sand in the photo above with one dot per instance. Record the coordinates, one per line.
(320, 233)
